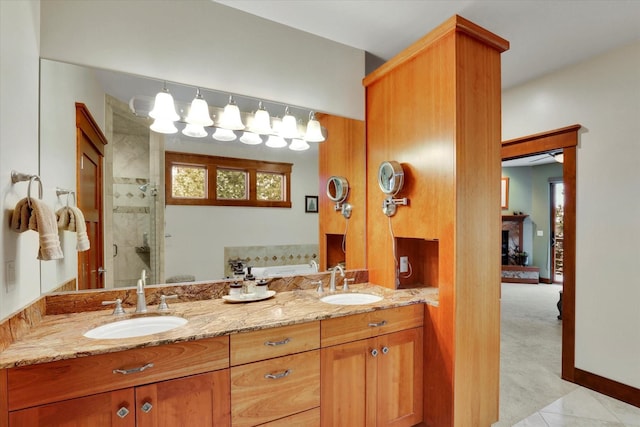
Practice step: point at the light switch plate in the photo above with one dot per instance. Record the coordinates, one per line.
(540, 233)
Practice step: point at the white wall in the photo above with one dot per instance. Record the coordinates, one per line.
(200, 233)
(603, 95)
(210, 45)
(19, 48)
(61, 86)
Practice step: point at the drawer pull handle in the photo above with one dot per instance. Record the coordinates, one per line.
(133, 370)
(146, 407)
(275, 343)
(385, 350)
(278, 376)
(378, 324)
(122, 412)
(374, 352)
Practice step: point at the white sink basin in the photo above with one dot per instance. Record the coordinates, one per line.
(136, 327)
(351, 299)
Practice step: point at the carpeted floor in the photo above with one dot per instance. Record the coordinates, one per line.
(530, 353)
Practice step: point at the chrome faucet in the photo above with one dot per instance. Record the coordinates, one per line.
(332, 282)
(141, 306)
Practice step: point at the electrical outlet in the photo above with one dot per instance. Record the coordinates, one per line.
(404, 264)
(10, 272)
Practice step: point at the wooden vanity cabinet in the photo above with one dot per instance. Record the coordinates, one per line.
(187, 384)
(275, 376)
(374, 381)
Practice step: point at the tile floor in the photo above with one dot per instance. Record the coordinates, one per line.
(584, 408)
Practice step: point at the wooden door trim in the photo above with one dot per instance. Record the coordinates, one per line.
(565, 138)
(88, 125)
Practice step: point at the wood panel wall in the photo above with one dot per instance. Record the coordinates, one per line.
(435, 108)
(342, 154)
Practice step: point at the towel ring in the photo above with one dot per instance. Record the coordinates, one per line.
(31, 179)
(62, 192)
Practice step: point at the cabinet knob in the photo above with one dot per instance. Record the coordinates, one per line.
(122, 412)
(385, 350)
(374, 352)
(146, 407)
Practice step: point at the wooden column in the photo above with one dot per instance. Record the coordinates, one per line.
(342, 154)
(435, 108)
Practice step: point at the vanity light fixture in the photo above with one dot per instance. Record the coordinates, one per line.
(225, 135)
(230, 118)
(199, 111)
(164, 113)
(163, 126)
(276, 141)
(261, 121)
(289, 128)
(250, 138)
(298, 145)
(314, 130)
(194, 131)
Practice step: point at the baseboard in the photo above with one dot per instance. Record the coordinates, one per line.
(623, 392)
(546, 281)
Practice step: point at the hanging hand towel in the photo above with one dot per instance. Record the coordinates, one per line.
(71, 218)
(38, 217)
(20, 216)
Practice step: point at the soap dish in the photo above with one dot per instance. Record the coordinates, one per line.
(248, 297)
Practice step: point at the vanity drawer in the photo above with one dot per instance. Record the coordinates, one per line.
(310, 418)
(275, 388)
(65, 379)
(252, 346)
(340, 330)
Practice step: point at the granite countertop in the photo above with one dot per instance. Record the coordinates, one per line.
(60, 336)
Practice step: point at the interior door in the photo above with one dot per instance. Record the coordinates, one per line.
(90, 153)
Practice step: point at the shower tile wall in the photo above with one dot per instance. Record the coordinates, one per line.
(131, 208)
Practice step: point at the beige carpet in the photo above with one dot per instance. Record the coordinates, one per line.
(530, 354)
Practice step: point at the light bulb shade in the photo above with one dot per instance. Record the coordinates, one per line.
(261, 123)
(163, 108)
(298, 145)
(163, 126)
(224, 135)
(289, 128)
(314, 131)
(276, 141)
(194, 131)
(199, 112)
(230, 118)
(250, 138)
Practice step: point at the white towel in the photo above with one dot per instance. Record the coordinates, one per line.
(71, 218)
(38, 217)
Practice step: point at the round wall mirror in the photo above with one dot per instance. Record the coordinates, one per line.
(390, 177)
(337, 189)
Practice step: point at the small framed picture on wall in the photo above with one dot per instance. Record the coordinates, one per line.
(311, 204)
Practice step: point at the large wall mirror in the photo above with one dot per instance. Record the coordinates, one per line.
(140, 231)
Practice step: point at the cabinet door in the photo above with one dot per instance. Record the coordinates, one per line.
(400, 379)
(347, 371)
(196, 401)
(105, 409)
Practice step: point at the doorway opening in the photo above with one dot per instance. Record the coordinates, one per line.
(556, 192)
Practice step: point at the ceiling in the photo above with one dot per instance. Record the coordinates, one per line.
(545, 35)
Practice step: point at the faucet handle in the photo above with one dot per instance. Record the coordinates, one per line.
(320, 289)
(163, 306)
(345, 284)
(118, 306)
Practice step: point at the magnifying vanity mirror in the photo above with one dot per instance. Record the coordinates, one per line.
(338, 191)
(391, 180)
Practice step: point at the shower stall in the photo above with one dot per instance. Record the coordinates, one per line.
(138, 200)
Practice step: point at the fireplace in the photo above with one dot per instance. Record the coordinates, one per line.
(505, 247)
